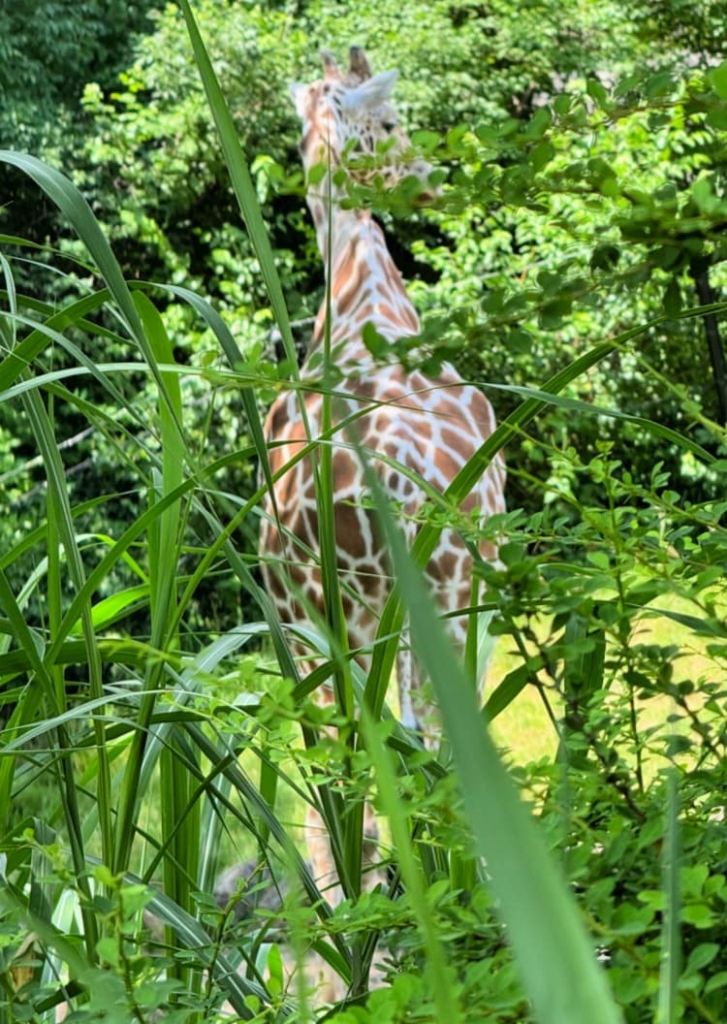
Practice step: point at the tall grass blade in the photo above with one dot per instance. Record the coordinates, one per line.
(553, 951)
(61, 191)
(241, 182)
(439, 976)
(669, 1010)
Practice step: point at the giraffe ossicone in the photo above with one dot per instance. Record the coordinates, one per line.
(416, 432)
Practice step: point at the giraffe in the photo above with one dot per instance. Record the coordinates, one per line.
(428, 426)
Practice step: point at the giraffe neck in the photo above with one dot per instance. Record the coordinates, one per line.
(365, 283)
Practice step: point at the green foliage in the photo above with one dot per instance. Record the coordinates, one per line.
(574, 601)
(584, 197)
(144, 748)
(49, 50)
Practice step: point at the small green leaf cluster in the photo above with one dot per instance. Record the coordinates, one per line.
(144, 749)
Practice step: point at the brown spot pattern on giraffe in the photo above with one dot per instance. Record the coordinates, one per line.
(431, 427)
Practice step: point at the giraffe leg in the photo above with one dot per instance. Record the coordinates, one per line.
(417, 710)
(405, 680)
(323, 866)
(373, 873)
(320, 852)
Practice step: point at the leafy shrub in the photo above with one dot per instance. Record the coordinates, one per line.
(139, 750)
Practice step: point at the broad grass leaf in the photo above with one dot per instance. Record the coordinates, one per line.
(554, 953)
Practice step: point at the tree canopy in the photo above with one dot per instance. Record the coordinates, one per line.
(585, 176)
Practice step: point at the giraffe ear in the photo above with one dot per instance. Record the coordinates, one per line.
(371, 93)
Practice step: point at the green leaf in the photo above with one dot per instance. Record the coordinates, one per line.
(108, 950)
(316, 174)
(376, 343)
(717, 118)
(703, 195)
(562, 104)
(541, 156)
(701, 956)
(716, 982)
(539, 123)
(506, 691)
(425, 141)
(717, 78)
(438, 969)
(519, 342)
(699, 915)
(598, 93)
(672, 298)
(241, 181)
(660, 84)
(552, 949)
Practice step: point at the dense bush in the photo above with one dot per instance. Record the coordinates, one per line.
(587, 190)
(144, 747)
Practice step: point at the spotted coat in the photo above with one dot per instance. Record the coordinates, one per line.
(411, 426)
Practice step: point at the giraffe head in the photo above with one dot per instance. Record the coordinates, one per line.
(349, 123)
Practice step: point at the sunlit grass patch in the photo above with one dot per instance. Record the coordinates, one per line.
(695, 666)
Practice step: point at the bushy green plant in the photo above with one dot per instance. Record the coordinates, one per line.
(136, 748)
(588, 174)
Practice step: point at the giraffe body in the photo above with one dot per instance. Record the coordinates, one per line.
(428, 426)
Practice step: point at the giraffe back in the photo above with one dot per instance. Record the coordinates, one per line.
(410, 428)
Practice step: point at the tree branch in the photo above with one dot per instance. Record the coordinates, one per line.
(699, 271)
